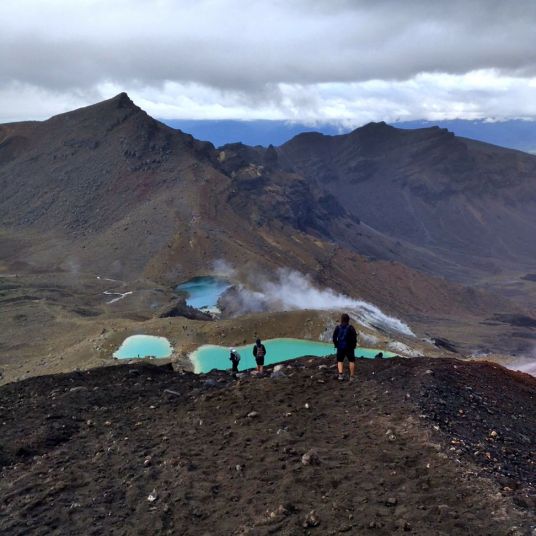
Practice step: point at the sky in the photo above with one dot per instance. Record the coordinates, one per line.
(345, 62)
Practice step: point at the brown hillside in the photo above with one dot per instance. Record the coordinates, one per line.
(108, 191)
(469, 204)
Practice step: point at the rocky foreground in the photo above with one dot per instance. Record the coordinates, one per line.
(420, 446)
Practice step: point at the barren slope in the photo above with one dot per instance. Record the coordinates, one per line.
(421, 446)
(470, 205)
(108, 191)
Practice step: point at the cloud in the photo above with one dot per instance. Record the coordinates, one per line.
(475, 95)
(284, 57)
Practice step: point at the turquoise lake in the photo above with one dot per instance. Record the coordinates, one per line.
(203, 292)
(144, 346)
(209, 356)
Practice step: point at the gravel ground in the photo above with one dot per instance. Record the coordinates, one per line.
(413, 446)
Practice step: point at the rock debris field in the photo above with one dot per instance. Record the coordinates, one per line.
(413, 446)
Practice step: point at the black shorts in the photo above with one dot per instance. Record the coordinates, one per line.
(349, 353)
(260, 361)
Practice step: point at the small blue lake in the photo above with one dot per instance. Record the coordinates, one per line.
(210, 356)
(203, 292)
(139, 346)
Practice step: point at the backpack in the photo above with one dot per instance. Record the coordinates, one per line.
(261, 351)
(342, 337)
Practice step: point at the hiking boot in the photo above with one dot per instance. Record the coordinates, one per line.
(340, 377)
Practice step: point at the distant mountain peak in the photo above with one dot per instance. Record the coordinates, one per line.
(374, 128)
(123, 100)
(120, 102)
(107, 110)
(376, 125)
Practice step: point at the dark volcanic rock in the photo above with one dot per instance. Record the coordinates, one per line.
(85, 452)
(441, 342)
(179, 308)
(521, 321)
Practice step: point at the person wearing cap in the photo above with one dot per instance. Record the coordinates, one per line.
(235, 359)
(259, 351)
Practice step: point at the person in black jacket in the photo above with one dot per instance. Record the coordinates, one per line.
(259, 351)
(234, 356)
(345, 341)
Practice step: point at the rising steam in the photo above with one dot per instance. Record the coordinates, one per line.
(528, 368)
(291, 290)
(525, 363)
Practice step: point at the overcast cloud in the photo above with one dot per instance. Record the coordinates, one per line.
(335, 60)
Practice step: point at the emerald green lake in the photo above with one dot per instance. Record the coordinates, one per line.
(203, 292)
(209, 356)
(143, 346)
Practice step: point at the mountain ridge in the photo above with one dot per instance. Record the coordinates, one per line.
(121, 161)
(107, 191)
(428, 185)
(514, 134)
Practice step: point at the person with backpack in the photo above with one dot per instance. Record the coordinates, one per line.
(235, 359)
(345, 341)
(259, 351)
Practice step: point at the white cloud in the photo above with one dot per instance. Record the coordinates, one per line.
(347, 60)
(475, 95)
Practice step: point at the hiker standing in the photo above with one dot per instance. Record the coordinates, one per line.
(259, 351)
(345, 341)
(234, 356)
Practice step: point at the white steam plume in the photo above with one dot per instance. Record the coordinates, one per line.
(292, 290)
(526, 363)
(529, 368)
(222, 268)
